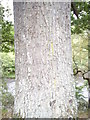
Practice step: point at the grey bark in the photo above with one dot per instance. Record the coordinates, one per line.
(43, 60)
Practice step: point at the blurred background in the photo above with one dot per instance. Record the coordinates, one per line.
(80, 36)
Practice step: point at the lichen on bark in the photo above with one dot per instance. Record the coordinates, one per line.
(44, 80)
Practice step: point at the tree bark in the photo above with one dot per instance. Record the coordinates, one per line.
(43, 60)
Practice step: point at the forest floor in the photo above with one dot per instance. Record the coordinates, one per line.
(83, 114)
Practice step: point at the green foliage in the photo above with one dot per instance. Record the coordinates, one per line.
(7, 60)
(6, 98)
(7, 33)
(80, 24)
(4, 112)
(80, 51)
(79, 95)
(8, 64)
(80, 61)
(81, 102)
(7, 37)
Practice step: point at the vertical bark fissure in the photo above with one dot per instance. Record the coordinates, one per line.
(43, 60)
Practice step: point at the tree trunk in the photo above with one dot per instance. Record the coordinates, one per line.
(44, 77)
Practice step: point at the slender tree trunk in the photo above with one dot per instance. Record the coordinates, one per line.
(89, 74)
(44, 77)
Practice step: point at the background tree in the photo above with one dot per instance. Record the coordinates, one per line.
(80, 17)
(7, 62)
(7, 32)
(80, 25)
(7, 56)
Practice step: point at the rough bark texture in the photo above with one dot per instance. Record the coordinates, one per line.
(44, 80)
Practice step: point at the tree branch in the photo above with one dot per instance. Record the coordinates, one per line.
(74, 9)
